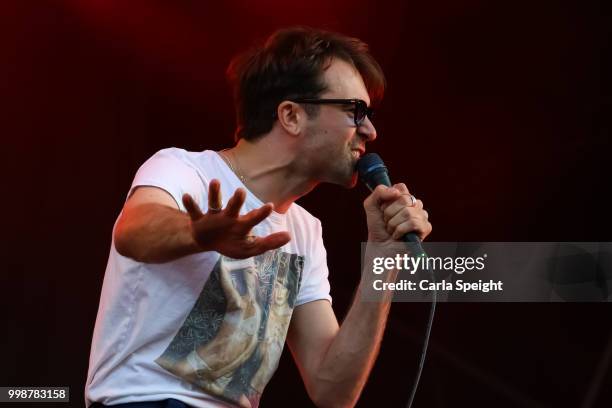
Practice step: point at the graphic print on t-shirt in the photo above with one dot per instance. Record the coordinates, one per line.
(230, 343)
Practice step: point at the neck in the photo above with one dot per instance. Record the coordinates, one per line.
(268, 169)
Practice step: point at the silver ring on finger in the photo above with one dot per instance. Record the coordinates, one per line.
(413, 200)
(214, 210)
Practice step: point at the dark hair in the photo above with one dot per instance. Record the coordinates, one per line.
(290, 65)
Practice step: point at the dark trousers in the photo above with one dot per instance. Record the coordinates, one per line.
(168, 403)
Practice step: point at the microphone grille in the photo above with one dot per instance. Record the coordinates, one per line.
(368, 163)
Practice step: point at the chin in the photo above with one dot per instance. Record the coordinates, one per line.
(345, 180)
(345, 176)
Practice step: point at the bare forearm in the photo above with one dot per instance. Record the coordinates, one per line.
(154, 233)
(347, 354)
(347, 364)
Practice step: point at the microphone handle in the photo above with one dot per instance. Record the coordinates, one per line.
(413, 241)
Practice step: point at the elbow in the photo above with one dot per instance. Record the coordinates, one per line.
(129, 243)
(124, 243)
(121, 242)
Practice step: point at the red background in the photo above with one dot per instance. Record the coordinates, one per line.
(497, 116)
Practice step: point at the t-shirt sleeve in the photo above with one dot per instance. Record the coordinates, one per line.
(168, 170)
(315, 282)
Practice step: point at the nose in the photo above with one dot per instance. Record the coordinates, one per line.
(366, 130)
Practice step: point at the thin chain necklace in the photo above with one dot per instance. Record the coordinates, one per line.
(229, 163)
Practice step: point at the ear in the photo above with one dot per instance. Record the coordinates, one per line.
(291, 116)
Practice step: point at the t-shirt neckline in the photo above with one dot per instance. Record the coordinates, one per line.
(253, 200)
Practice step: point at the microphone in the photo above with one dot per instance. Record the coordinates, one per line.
(373, 172)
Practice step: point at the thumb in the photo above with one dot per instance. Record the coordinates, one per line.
(380, 195)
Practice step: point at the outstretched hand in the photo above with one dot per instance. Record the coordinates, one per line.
(226, 231)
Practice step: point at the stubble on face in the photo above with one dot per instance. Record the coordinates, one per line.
(330, 161)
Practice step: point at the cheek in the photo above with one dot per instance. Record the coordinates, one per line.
(330, 139)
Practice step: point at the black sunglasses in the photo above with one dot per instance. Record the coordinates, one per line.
(360, 108)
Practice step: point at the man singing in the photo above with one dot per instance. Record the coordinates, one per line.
(213, 266)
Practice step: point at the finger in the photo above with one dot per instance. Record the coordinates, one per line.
(383, 194)
(403, 229)
(259, 245)
(373, 202)
(420, 227)
(214, 195)
(405, 214)
(404, 201)
(192, 208)
(235, 203)
(256, 216)
(401, 187)
(416, 216)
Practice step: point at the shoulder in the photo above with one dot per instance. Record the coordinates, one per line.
(306, 222)
(297, 211)
(185, 156)
(174, 157)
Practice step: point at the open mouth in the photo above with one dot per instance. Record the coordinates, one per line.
(357, 153)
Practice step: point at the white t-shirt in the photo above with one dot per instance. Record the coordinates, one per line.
(204, 329)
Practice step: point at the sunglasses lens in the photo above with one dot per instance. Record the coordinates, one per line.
(360, 112)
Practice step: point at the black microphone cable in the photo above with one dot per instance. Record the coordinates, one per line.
(432, 311)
